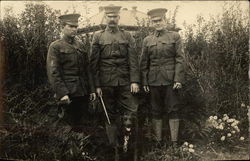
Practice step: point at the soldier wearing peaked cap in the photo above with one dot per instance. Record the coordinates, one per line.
(69, 74)
(114, 65)
(162, 70)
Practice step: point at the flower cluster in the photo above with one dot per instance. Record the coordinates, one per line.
(187, 152)
(225, 128)
(186, 147)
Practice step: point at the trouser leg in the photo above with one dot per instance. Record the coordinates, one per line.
(173, 104)
(157, 106)
(73, 113)
(157, 129)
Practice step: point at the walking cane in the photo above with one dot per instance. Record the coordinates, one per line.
(105, 110)
(109, 128)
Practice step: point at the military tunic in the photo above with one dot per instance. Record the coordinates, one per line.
(161, 65)
(114, 64)
(69, 74)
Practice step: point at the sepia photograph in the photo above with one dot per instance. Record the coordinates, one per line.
(124, 80)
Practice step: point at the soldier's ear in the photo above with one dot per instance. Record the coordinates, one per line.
(164, 19)
(62, 25)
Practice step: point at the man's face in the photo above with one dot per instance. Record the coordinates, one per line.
(112, 19)
(158, 24)
(69, 30)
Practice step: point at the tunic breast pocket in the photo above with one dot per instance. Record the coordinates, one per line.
(123, 47)
(168, 48)
(152, 47)
(105, 48)
(68, 58)
(82, 56)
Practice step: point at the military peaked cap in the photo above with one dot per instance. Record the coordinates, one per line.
(157, 13)
(71, 19)
(112, 9)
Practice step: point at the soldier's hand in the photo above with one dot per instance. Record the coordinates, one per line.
(92, 96)
(65, 99)
(99, 92)
(146, 88)
(134, 88)
(177, 85)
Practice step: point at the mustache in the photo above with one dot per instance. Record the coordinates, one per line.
(112, 22)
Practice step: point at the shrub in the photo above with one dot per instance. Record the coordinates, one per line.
(27, 38)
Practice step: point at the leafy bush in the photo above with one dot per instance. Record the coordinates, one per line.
(27, 38)
(216, 53)
(224, 131)
(33, 130)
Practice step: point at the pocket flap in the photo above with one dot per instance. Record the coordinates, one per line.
(166, 42)
(66, 50)
(105, 42)
(123, 42)
(153, 43)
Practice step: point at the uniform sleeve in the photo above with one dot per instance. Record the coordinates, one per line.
(179, 60)
(144, 64)
(94, 57)
(54, 73)
(133, 61)
(90, 75)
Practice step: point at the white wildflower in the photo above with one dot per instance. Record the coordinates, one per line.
(230, 120)
(222, 138)
(243, 105)
(229, 134)
(236, 128)
(233, 124)
(215, 117)
(225, 118)
(233, 132)
(242, 138)
(191, 146)
(185, 143)
(211, 118)
(221, 127)
(215, 124)
(236, 122)
(191, 150)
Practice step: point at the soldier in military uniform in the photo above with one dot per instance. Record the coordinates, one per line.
(115, 69)
(69, 74)
(161, 64)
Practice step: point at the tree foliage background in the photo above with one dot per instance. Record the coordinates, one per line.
(217, 58)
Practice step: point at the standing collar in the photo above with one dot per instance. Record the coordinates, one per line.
(68, 39)
(159, 33)
(112, 30)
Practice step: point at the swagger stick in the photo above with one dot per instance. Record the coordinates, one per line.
(105, 110)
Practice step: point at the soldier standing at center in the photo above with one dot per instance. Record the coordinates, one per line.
(161, 65)
(115, 67)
